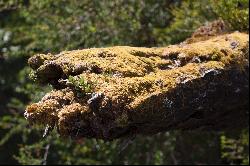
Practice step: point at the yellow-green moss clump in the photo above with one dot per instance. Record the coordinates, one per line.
(111, 92)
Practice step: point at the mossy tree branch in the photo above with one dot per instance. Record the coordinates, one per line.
(195, 85)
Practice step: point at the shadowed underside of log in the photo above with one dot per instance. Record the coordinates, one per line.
(112, 92)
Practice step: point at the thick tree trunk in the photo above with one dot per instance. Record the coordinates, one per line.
(112, 92)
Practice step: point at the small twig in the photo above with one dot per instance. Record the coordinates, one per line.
(47, 130)
(44, 161)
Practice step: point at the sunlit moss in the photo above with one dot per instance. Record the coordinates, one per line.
(115, 87)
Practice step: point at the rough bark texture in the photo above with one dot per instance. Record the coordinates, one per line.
(112, 92)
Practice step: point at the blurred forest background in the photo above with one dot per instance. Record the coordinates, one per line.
(28, 27)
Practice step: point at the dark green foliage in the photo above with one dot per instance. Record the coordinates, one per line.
(234, 12)
(187, 17)
(28, 27)
(191, 14)
(235, 150)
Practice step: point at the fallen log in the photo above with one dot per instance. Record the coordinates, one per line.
(113, 92)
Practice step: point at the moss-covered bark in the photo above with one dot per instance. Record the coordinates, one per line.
(111, 92)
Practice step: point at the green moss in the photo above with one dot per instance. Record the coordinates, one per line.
(215, 57)
(81, 86)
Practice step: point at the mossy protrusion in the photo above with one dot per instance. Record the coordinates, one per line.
(108, 93)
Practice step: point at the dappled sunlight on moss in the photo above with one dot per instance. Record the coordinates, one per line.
(104, 92)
